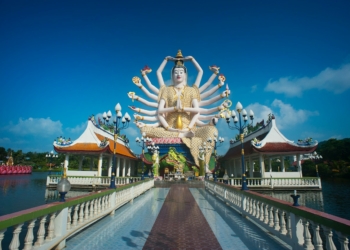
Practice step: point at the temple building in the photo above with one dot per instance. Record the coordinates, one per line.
(97, 141)
(265, 145)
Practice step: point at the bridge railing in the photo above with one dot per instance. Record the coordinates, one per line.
(48, 226)
(297, 226)
(52, 180)
(305, 182)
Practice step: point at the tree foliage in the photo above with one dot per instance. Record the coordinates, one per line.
(335, 159)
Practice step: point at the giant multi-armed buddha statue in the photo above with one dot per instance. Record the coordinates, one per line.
(177, 111)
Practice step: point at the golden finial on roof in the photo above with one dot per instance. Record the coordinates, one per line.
(179, 54)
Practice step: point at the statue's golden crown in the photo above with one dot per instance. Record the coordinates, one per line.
(179, 56)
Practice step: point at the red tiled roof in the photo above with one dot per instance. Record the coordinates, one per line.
(284, 147)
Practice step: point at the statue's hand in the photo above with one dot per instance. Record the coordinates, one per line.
(137, 81)
(139, 124)
(188, 58)
(214, 69)
(132, 95)
(170, 58)
(134, 108)
(146, 70)
(226, 93)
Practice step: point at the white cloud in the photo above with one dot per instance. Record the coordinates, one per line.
(286, 115)
(42, 127)
(77, 129)
(333, 80)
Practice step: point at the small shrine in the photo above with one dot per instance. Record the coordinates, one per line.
(98, 141)
(267, 143)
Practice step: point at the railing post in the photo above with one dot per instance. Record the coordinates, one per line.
(61, 226)
(297, 231)
(112, 202)
(243, 204)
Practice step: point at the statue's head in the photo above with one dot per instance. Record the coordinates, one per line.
(179, 71)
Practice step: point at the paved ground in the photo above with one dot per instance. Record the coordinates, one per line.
(181, 224)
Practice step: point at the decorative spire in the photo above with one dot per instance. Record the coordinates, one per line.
(179, 54)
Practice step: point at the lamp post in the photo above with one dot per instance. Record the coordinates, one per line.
(242, 114)
(50, 156)
(119, 124)
(203, 151)
(142, 142)
(154, 150)
(215, 139)
(315, 157)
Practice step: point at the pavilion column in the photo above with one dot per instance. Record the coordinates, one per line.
(299, 165)
(99, 166)
(118, 167)
(129, 168)
(270, 166)
(282, 164)
(124, 166)
(251, 167)
(262, 166)
(91, 163)
(66, 161)
(110, 162)
(81, 162)
(232, 167)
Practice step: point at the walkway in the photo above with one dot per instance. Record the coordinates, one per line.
(175, 218)
(181, 224)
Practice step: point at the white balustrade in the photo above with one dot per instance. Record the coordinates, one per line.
(77, 214)
(293, 225)
(280, 183)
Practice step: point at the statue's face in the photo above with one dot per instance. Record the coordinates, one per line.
(179, 75)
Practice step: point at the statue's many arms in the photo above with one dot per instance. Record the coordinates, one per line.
(178, 110)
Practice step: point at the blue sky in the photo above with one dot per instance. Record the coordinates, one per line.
(61, 61)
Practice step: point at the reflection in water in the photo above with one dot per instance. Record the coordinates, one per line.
(19, 192)
(332, 199)
(52, 195)
(311, 199)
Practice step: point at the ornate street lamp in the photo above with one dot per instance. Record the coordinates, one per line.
(142, 142)
(63, 186)
(242, 114)
(154, 150)
(107, 116)
(50, 156)
(119, 124)
(215, 139)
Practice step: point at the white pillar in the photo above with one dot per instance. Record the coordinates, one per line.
(66, 161)
(262, 166)
(299, 165)
(110, 165)
(118, 167)
(270, 166)
(282, 164)
(99, 166)
(124, 166)
(129, 168)
(251, 167)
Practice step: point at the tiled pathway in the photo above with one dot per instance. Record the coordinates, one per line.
(181, 224)
(134, 225)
